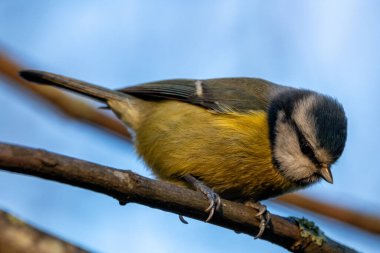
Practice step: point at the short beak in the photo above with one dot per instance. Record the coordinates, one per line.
(325, 173)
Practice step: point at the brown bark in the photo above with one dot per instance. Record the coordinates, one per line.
(17, 236)
(364, 221)
(127, 186)
(69, 106)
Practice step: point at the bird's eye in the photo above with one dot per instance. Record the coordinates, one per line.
(308, 151)
(306, 148)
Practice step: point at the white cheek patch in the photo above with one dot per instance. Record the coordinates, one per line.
(304, 120)
(306, 123)
(293, 163)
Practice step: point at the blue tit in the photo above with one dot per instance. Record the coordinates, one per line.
(238, 138)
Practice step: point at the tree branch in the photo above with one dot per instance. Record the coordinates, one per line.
(127, 186)
(17, 236)
(66, 104)
(367, 222)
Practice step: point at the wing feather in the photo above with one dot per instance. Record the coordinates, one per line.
(221, 94)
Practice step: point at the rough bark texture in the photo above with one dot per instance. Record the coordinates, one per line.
(127, 186)
(17, 236)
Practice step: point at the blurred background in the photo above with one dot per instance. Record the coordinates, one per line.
(329, 46)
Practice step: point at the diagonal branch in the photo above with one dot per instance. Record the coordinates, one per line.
(127, 186)
(66, 104)
(17, 236)
(361, 220)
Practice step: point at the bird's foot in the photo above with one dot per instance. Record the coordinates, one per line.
(262, 213)
(213, 198)
(182, 219)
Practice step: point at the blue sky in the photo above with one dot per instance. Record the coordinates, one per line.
(328, 46)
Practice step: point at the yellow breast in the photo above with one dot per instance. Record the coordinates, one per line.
(228, 152)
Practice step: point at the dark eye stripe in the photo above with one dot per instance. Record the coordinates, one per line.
(305, 146)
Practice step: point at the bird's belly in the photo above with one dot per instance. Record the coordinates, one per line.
(228, 152)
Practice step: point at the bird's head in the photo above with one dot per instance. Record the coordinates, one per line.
(308, 133)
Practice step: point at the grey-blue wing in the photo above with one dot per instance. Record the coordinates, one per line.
(221, 94)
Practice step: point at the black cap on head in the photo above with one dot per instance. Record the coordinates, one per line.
(331, 125)
(285, 102)
(327, 114)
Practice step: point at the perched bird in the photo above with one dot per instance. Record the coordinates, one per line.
(244, 139)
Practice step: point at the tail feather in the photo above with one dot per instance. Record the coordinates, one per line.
(99, 93)
(126, 107)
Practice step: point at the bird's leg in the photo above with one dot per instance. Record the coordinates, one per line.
(263, 213)
(212, 197)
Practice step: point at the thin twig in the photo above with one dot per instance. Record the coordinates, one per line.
(127, 186)
(364, 221)
(68, 105)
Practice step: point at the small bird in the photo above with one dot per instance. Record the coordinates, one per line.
(243, 139)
